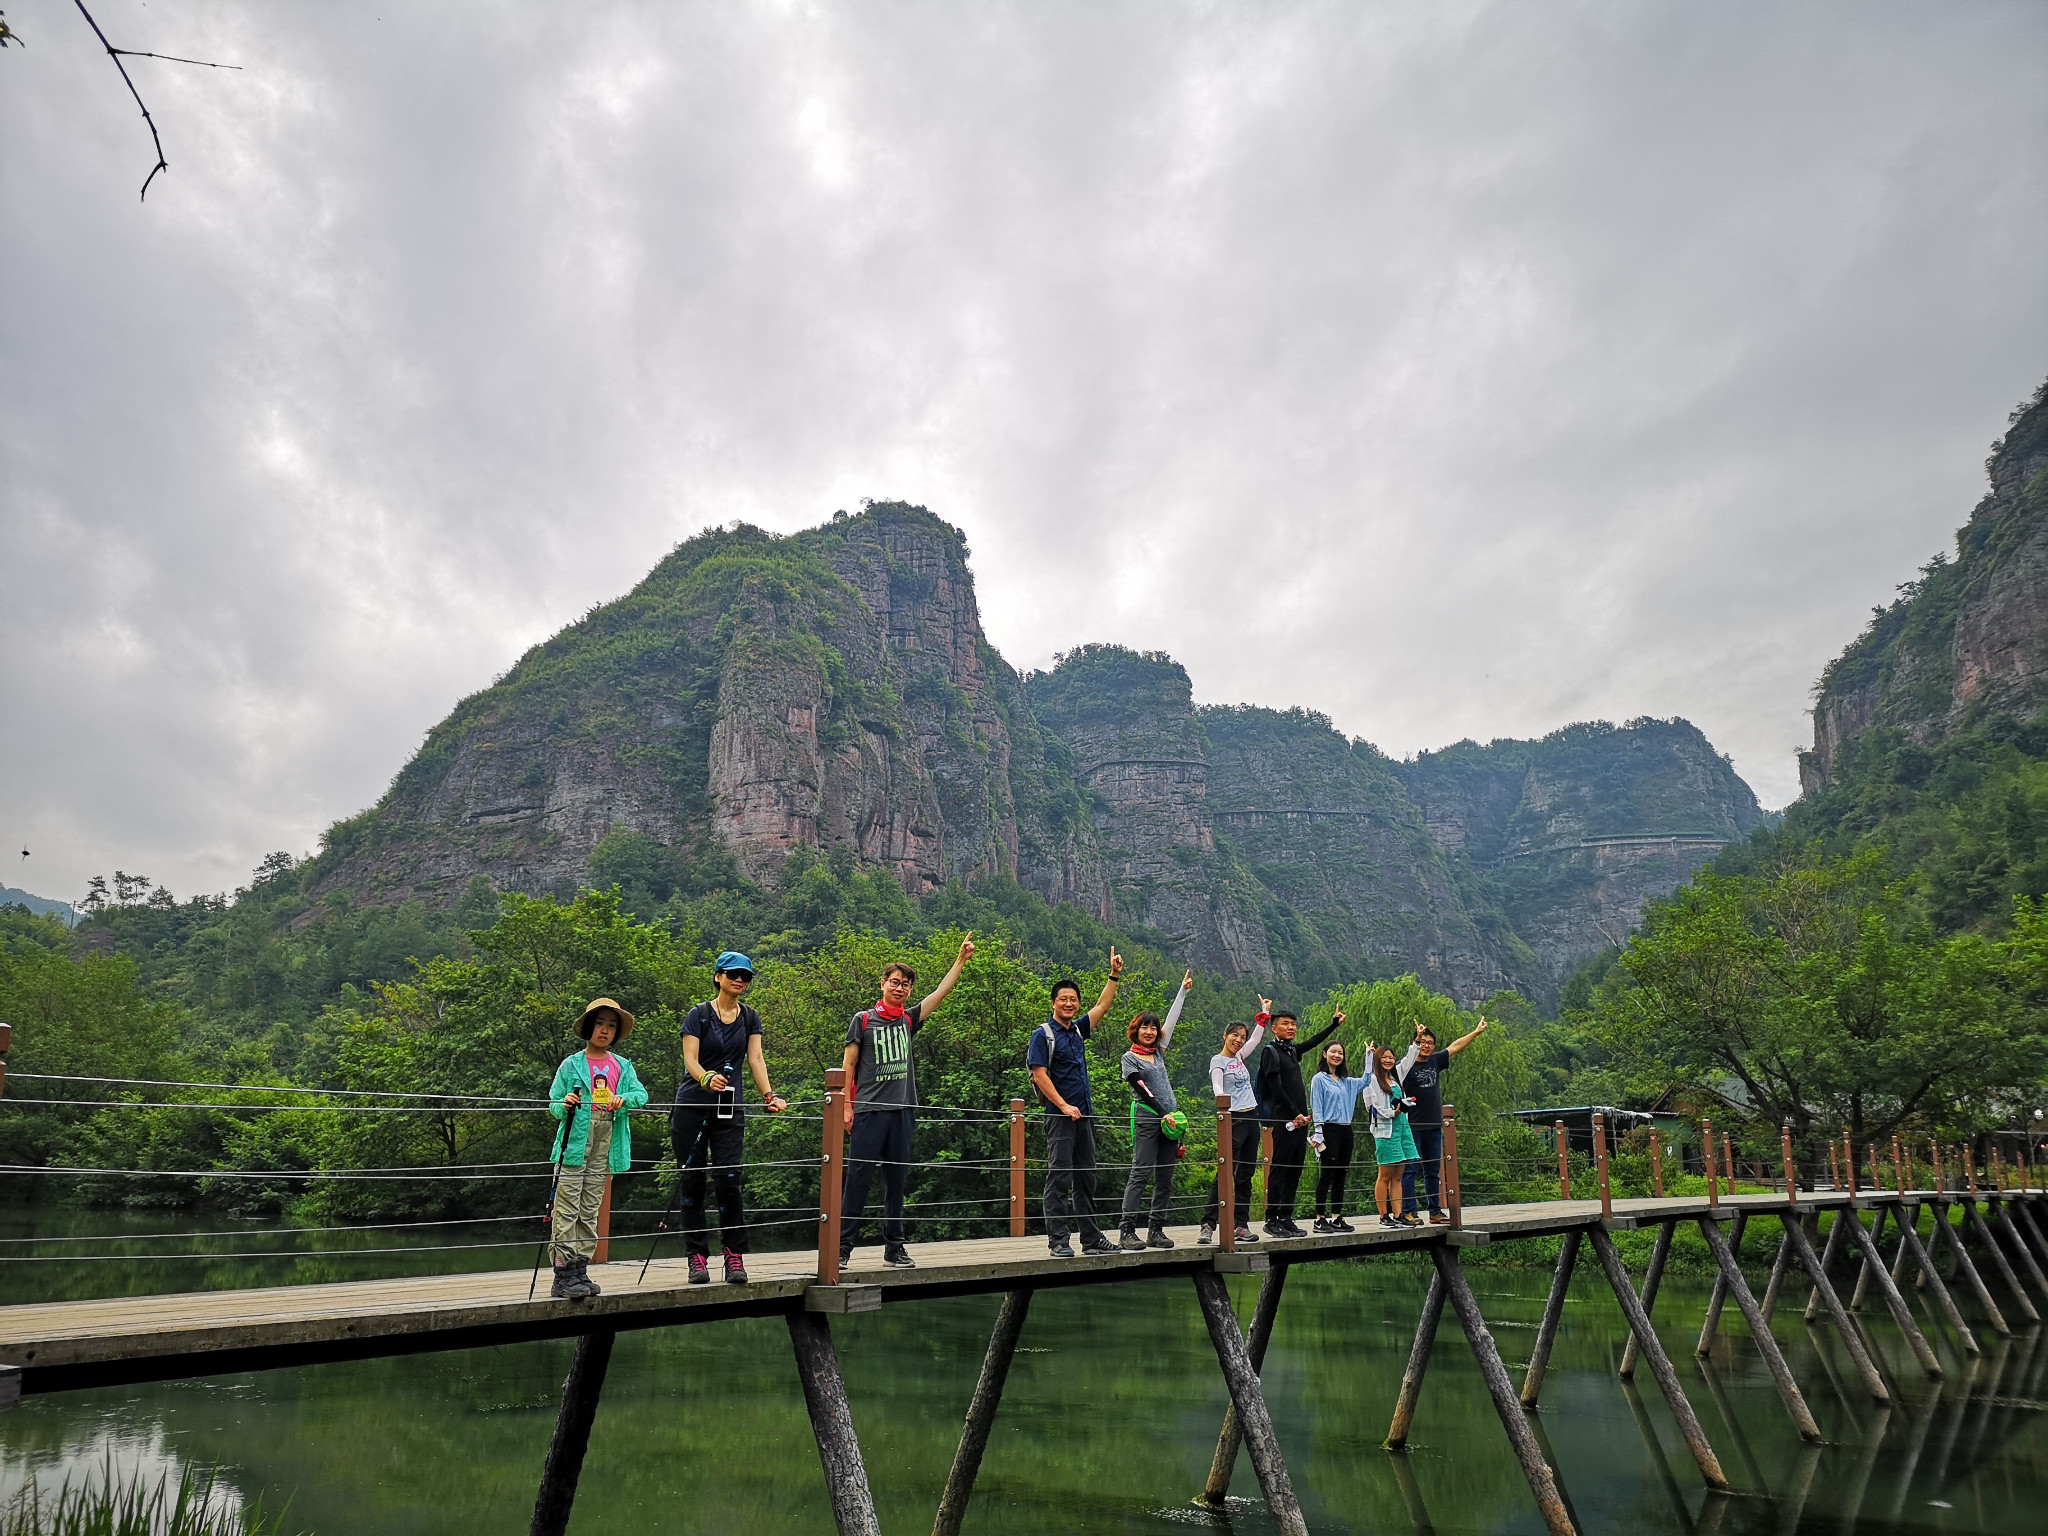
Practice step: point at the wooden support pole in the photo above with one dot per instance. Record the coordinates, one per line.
(1018, 1209)
(1930, 1277)
(1564, 1165)
(831, 1192)
(2027, 1223)
(1760, 1329)
(1873, 1267)
(1250, 1402)
(2018, 1241)
(1863, 1271)
(1660, 1363)
(1418, 1364)
(1852, 1341)
(1968, 1270)
(1600, 1165)
(1720, 1292)
(1542, 1480)
(564, 1465)
(1224, 1462)
(1656, 1165)
(1226, 1175)
(1653, 1279)
(1992, 1246)
(1827, 1264)
(981, 1411)
(1780, 1267)
(1707, 1151)
(1546, 1331)
(817, 1367)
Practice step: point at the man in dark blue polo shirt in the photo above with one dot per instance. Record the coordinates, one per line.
(1058, 1059)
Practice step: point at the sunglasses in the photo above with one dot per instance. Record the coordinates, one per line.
(740, 976)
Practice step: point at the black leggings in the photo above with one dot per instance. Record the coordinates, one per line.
(1244, 1149)
(1336, 1167)
(702, 1139)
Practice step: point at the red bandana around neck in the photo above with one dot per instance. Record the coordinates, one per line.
(887, 1010)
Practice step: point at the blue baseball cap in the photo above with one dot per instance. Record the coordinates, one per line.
(733, 960)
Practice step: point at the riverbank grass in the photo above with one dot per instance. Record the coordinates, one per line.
(193, 1504)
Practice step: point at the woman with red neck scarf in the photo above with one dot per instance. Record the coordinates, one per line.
(881, 1104)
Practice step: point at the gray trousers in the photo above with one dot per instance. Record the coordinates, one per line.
(1070, 1177)
(1153, 1160)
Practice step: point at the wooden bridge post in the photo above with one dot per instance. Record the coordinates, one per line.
(1899, 1166)
(1707, 1148)
(817, 1367)
(981, 1410)
(1824, 1288)
(6, 1039)
(1792, 1173)
(1968, 1270)
(1728, 1160)
(1653, 1280)
(1224, 1463)
(1250, 1402)
(1450, 1175)
(1226, 1176)
(1720, 1292)
(1934, 1160)
(1827, 1263)
(1418, 1364)
(1732, 1282)
(2025, 1217)
(1660, 1363)
(1863, 1273)
(1930, 1277)
(1873, 1267)
(604, 1225)
(831, 1184)
(1265, 1174)
(1780, 1267)
(1542, 1480)
(1656, 1165)
(1834, 1168)
(564, 1465)
(1600, 1165)
(1546, 1331)
(1017, 1208)
(1564, 1165)
(1849, 1160)
(1991, 1244)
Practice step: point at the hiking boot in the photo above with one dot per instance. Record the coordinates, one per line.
(1061, 1250)
(1157, 1238)
(1100, 1247)
(735, 1268)
(1439, 1219)
(1410, 1219)
(564, 1287)
(700, 1269)
(1245, 1235)
(896, 1256)
(1208, 1235)
(1129, 1241)
(588, 1286)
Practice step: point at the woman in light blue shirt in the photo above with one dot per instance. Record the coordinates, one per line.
(1332, 1097)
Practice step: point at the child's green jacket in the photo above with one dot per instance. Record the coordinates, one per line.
(574, 1073)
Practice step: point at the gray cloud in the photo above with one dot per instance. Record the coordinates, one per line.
(1456, 370)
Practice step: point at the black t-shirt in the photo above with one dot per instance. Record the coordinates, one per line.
(1424, 1084)
(884, 1076)
(721, 1047)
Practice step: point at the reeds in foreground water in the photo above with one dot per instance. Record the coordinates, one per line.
(104, 1506)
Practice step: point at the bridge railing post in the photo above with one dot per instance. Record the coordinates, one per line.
(1447, 1172)
(1226, 1175)
(1707, 1146)
(831, 1175)
(1849, 1162)
(1898, 1165)
(1969, 1152)
(1564, 1166)
(1016, 1167)
(1600, 1165)
(1834, 1168)
(1656, 1164)
(1934, 1163)
(1791, 1174)
(6, 1039)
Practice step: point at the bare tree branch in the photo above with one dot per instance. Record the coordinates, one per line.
(117, 54)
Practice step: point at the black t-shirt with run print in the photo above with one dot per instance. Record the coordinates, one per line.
(884, 1076)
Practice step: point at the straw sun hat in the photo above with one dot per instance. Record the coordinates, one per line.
(586, 1022)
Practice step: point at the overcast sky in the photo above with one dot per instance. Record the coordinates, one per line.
(1458, 370)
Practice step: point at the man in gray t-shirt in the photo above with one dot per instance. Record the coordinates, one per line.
(881, 1111)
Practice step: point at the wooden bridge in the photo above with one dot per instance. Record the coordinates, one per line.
(65, 1346)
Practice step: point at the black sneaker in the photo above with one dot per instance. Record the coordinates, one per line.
(1323, 1224)
(1101, 1246)
(1388, 1221)
(1129, 1241)
(1061, 1250)
(1339, 1224)
(896, 1256)
(1157, 1238)
(1277, 1229)
(1207, 1237)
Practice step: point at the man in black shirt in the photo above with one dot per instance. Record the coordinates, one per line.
(1283, 1100)
(1424, 1084)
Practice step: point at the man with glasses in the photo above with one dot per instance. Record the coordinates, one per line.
(709, 1122)
(881, 1103)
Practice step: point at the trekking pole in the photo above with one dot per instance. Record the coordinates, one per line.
(661, 1226)
(554, 1184)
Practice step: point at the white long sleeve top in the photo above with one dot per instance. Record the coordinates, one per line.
(1228, 1072)
(1384, 1105)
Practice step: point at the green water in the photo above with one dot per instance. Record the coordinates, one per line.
(1107, 1425)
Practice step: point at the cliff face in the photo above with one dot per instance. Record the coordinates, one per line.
(834, 688)
(1970, 637)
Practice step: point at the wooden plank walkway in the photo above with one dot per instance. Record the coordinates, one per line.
(63, 1346)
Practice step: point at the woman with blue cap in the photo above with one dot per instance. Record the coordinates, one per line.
(709, 1123)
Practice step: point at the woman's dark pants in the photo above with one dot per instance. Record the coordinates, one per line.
(1429, 1152)
(1244, 1152)
(702, 1139)
(1337, 1143)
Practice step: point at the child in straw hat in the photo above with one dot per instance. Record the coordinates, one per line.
(590, 1146)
